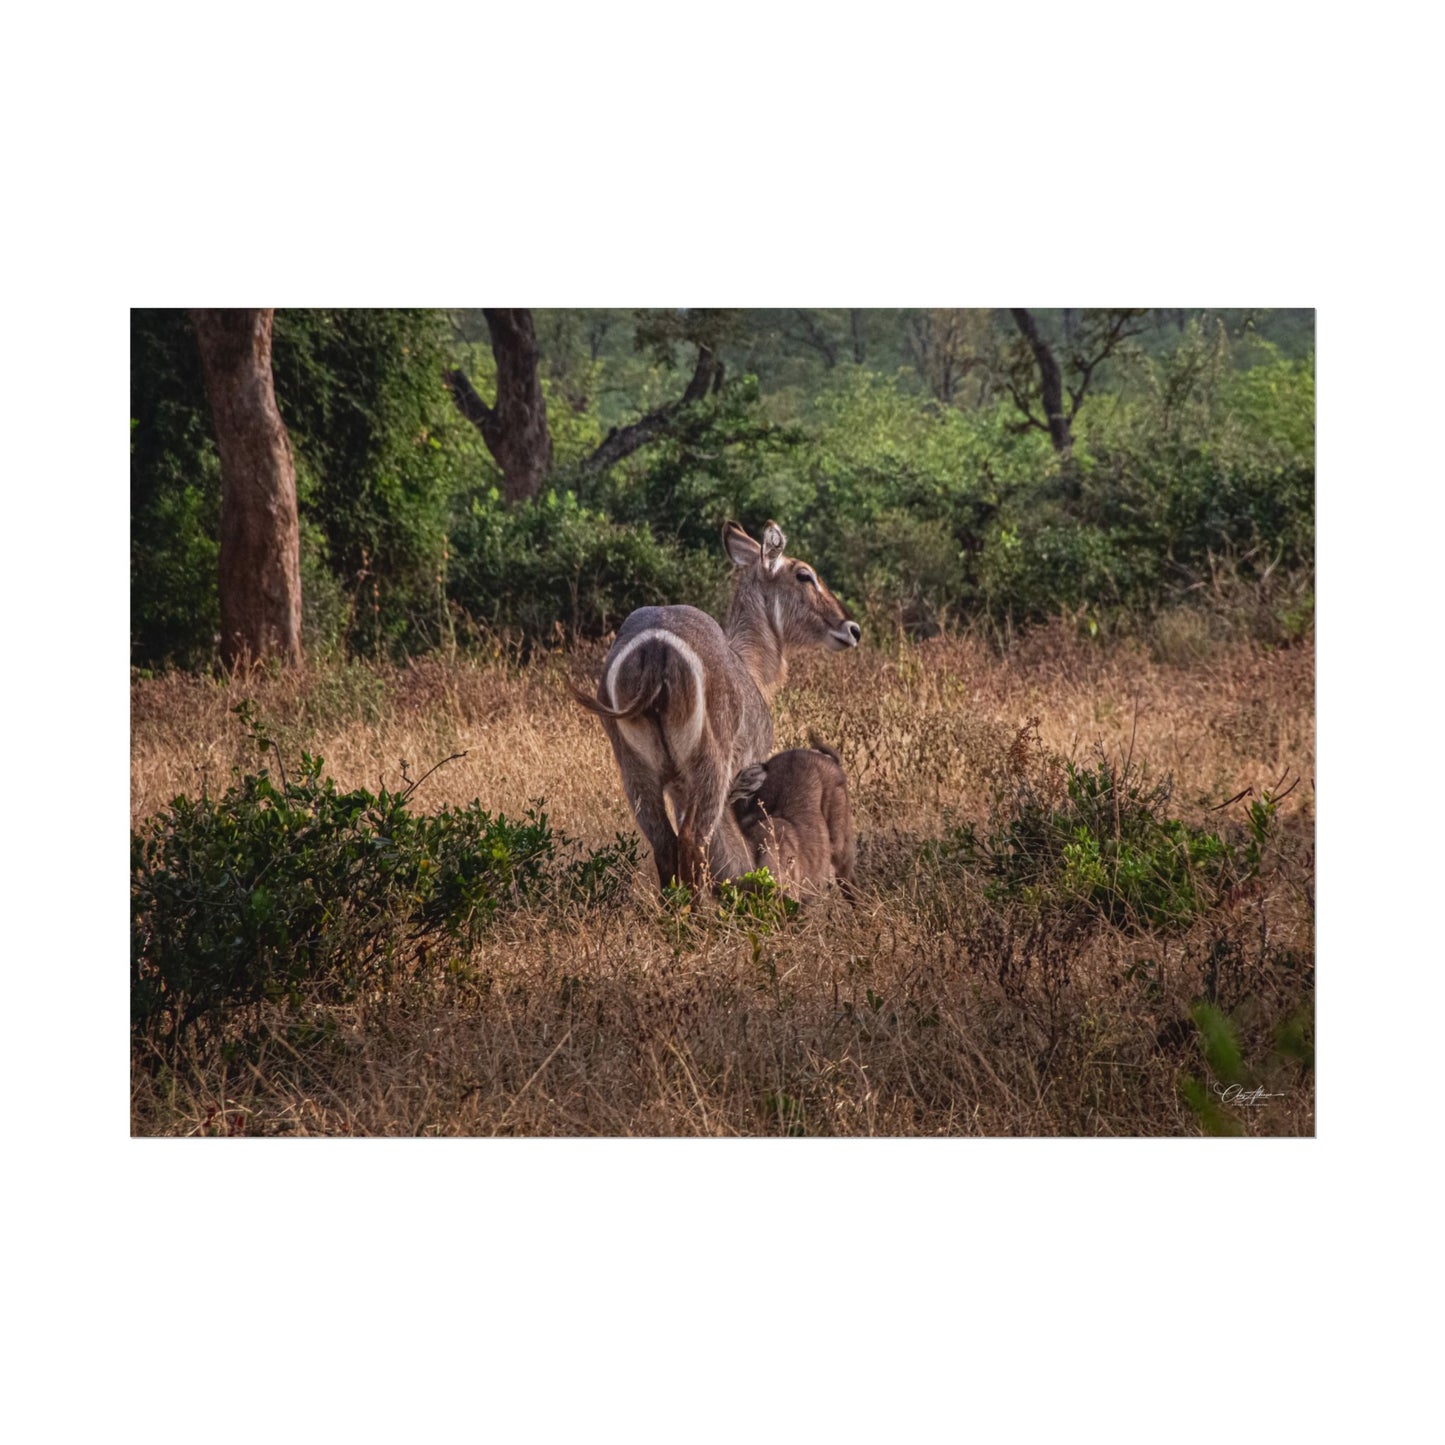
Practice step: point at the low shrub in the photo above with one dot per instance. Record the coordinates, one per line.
(284, 887)
(1099, 839)
(1050, 562)
(756, 898)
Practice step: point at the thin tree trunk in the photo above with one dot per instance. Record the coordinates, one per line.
(260, 574)
(855, 325)
(814, 336)
(515, 429)
(1051, 383)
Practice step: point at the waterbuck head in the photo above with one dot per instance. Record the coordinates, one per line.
(779, 604)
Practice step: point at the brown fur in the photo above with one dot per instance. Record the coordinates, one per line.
(795, 817)
(676, 747)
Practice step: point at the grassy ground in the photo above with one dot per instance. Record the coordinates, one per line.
(932, 1007)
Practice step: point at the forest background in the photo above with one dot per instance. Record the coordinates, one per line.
(943, 468)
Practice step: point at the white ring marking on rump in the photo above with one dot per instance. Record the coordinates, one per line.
(686, 744)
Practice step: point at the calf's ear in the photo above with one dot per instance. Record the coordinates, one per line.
(747, 783)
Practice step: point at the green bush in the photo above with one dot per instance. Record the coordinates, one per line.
(1206, 461)
(552, 563)
(1127, 860)
(1050, 563)
(1099, 840)
(280, 887)
(919, 513)
(904, 496)
(756, 898)
(380, 452)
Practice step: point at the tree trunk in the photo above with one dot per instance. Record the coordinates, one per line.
(260, 577)
(816, 337)
(1051, 383)
(855, 326)
(515, 429)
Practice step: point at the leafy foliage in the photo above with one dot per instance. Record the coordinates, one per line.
(924, 501)
(553, 563)
(758, 898)
(175, 496)
(380, 453)
(724, 458)
(1099, 840)
(288, 886)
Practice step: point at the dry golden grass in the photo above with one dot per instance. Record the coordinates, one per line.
(924, 1010)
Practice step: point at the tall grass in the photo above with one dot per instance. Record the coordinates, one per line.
(940, 1004)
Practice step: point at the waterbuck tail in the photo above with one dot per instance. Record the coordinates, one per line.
(636, 708)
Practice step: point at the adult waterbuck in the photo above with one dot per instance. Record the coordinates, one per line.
(685, 702)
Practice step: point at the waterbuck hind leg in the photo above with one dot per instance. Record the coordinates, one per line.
(650, 810)
(729, 855)
(662, 840)
(710, 845)
(649, 806)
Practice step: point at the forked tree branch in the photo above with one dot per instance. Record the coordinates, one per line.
(621, 442)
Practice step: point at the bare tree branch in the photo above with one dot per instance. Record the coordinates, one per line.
(855, 326)
(810, 334)
(468, 398)
(621, 442)
(1121, 326)
(515, 428)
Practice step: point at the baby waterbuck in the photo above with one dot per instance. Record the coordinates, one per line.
(685, 702)
(795, 818)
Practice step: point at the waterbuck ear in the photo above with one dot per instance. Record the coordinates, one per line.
(773, 544)
(741, 548)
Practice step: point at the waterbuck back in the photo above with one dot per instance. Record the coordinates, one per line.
(684, 701)
(795, 817)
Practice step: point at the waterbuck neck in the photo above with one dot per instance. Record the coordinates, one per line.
(754, 638)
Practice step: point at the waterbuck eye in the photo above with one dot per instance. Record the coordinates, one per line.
(805, 576)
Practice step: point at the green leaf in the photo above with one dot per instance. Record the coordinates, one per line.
(1221, 1045)
(1212, 1118)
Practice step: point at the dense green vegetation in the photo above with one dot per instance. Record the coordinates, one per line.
(287, 884)
(1098, 839)
(893, 445)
